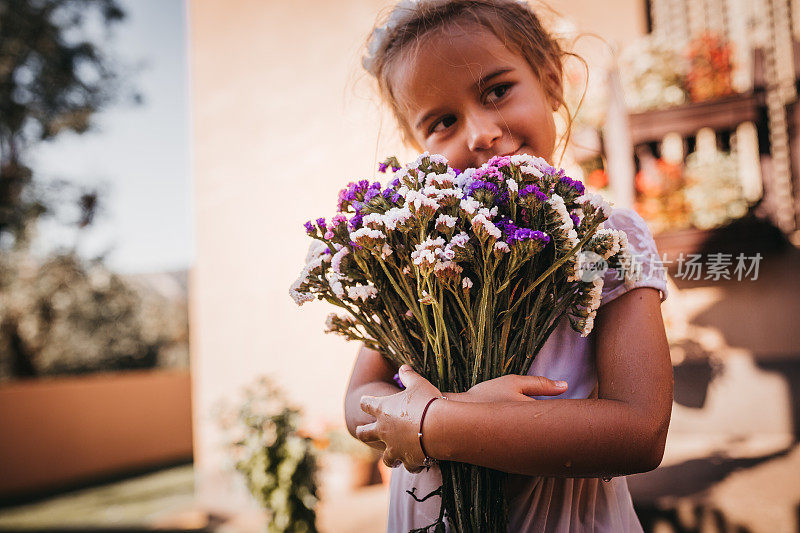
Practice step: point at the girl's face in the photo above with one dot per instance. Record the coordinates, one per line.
(465, 95)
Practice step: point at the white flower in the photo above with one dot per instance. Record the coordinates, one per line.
(501, 246)
(444, 222)
(315, 250)
(460, 240)
(483, 227)
(596, 292)
(512, 185)
(533, 171)
(422, 204)
(521, 159)
(488, 213)
(470, 205)
(557, 204)
(396, 216)
(448, 197)
(596, 201)
(448, 254)
(418, 161)
(386, 251)
(428, 252)
(608, 241)
(336, 261)
(362, 292)
(335, 280)
(438, 158)
(588, 324)
(367, 237)
(572, 238)
(466, 283)
(332, 318)
(422, 257)
(299, 296)
(373, 220)
(464, 179)
(447, 271)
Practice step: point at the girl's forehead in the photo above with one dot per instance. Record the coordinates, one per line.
(447, 60)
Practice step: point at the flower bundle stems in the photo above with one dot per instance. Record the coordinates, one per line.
(463, 276)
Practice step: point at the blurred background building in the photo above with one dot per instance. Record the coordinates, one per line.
(689, 114)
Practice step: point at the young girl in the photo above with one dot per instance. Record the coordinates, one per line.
(473, 79)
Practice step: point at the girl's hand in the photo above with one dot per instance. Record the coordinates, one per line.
(511, 388)
(397, 420)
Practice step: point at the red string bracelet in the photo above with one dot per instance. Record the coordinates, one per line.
(428, 460)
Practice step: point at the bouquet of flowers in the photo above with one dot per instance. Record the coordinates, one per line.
(463, 276)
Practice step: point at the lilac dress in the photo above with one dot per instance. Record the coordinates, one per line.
(553, 504)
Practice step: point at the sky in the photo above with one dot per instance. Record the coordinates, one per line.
(139, 156)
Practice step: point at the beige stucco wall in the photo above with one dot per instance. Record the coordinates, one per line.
(282, 118)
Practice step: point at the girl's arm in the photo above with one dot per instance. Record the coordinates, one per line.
(621, 432)
(372, 376)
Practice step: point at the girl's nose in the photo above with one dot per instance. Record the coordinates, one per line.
(482, 132)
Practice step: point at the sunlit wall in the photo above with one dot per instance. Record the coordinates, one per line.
(282, 118)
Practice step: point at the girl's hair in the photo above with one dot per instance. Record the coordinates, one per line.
(511, 21)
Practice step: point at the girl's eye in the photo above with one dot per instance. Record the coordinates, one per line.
(442, 124)
(497, 92)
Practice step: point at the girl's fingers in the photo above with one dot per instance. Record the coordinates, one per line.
(368, 432)
(369, 404)
(408, 376)
(541, 386)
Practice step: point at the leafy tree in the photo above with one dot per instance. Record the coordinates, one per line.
(63, 314)
(53, 79)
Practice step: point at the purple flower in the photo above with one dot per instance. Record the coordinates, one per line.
(575, 219)
(488, 172)
(533, 189)
(537, 235)
(552, 171)
(355, 221)
(382, 167)
(310, 229)
(508, 228)
(321, 223)
(499, 161)
(395, 183)
(570, 183)
(395, 168)
(399, 382)
(457, 171)
(371, 193)
(491, 188)
(353, 192)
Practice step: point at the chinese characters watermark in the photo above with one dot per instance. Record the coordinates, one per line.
(713, 266)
